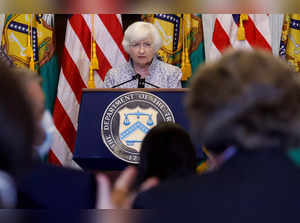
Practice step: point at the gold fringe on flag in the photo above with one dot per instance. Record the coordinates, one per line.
(94, 65)
(186, 66)
(241, 30)
(29, 50)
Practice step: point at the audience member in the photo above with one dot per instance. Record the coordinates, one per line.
(167, 152)
(248, 99)
(16, 135)
(40, 185)
(44, 126)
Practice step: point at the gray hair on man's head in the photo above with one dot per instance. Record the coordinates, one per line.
(139, 31)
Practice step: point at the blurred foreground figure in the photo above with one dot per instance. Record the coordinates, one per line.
(251, 100)
(167, 152)
(44, 126)
(16, 135)
(38, 185)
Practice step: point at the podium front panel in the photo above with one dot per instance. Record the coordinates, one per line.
(90, 150)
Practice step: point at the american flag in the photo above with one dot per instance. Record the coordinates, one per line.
(257, 33)
(74, 75)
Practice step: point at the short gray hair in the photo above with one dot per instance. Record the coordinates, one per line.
(140, 31)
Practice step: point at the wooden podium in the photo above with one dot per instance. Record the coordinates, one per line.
(90, 150)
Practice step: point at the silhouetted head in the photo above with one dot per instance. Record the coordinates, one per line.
(16, 122)
(246, 98)
(166, 152)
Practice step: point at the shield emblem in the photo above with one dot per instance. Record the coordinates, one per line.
(134, 125)
(15, 39)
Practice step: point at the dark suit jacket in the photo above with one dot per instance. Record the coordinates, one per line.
(262, 186)
(47, 186)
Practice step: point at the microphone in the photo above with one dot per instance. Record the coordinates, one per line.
(142, 82)
(132, 79)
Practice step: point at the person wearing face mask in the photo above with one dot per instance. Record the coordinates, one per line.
(144, 69)
(45, 186)
(44, 126)
(16, 136)
(43, 119)
(48, 127)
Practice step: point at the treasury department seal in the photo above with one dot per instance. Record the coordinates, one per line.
(128, 118)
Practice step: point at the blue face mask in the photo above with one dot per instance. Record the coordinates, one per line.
(49, 128)
(8, 193)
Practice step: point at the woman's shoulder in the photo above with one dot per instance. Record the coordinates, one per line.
(119, 72)
(118, 69)
(169, 67)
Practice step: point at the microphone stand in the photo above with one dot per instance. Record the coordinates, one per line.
(142, 82)
(133, 78)
(153, 85)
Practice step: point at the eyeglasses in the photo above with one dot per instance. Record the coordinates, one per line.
(141, 44)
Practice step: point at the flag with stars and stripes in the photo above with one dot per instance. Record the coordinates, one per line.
(74, 76)
(240, 31)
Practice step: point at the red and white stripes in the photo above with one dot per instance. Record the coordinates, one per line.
(74, 75)
(257, 33)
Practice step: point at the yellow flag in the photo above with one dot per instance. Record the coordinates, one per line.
(182, 36)
(290, 40)
(27, 40)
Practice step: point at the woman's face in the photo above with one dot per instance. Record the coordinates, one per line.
(142, 52)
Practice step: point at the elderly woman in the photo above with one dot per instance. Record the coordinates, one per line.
(141, 41)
